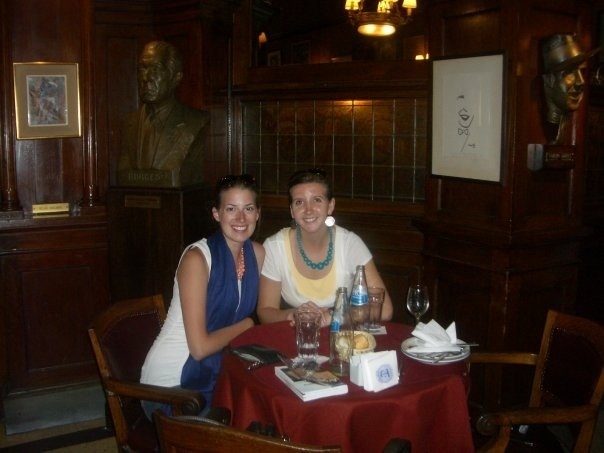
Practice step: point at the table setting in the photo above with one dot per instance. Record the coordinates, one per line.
(384, 376)
(431, 343)
(427, 405)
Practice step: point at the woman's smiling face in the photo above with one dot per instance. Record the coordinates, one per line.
(237, 214)
(310, 205)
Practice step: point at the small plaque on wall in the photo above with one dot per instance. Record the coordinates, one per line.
(142, 201)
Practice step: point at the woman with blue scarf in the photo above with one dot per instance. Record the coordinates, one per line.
(214, 298)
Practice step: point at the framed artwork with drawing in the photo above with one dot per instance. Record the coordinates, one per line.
(47, 100)
(467, 117)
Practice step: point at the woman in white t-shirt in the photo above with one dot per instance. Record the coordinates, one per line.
(304, 265)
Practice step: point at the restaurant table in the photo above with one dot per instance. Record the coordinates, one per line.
(428, 406)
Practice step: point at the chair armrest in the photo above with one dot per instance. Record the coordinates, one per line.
(183, 401)
(511, 358)
(488, 424)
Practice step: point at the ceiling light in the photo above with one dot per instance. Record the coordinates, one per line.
(380, 20)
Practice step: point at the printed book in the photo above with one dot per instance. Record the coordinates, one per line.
(324, 384)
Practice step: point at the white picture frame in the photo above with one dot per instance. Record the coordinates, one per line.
(467, 117)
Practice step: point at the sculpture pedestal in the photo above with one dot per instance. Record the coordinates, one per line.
(148, 230)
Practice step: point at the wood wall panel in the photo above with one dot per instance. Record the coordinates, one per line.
(538, 199)
(149, 229)
(589, 297)
(54, 281)
(63, 157)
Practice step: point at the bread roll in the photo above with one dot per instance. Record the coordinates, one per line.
(361, 341)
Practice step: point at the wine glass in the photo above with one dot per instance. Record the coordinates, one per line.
(418, 301)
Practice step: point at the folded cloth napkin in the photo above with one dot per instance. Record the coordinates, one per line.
(435, 338)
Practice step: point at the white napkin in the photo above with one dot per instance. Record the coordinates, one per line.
(435, 338)
(374, 371)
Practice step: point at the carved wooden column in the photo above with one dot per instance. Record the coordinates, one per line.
(90, 196)
(10, 206)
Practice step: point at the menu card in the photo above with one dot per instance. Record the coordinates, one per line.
(330, 384)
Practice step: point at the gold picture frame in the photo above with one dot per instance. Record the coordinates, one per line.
(47, 100)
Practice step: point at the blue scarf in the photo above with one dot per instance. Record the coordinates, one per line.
(223, 308)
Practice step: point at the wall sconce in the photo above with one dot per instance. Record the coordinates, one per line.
(384, 20)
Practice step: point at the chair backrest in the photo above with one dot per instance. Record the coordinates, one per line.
(193, 434)
(121, 336)
(570, 368)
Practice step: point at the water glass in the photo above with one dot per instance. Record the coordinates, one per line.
(308, 330)
(376, 301)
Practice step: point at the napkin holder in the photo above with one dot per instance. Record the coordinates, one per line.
(374, 371)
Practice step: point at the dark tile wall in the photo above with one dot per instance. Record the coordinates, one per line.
(372, 149)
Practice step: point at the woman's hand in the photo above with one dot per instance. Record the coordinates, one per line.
(311, 306)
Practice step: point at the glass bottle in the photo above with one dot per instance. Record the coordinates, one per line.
(340, 335)
(359, 306)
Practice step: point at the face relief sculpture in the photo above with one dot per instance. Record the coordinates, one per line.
(563, 81)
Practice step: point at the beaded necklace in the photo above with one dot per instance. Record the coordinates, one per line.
(307, 261)
(240, 265)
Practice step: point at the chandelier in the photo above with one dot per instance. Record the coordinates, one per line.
(380, 22)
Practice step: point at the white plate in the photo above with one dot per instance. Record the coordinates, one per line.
(433, 358)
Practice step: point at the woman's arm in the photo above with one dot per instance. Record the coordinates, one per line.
(269, 305)
(192, 275)
(269, 302)
(374, 279)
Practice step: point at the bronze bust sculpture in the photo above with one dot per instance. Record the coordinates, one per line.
(563, 82)
(161, 143)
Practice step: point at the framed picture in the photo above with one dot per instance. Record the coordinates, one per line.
(467, 117)
(273, 58)
(47, 100)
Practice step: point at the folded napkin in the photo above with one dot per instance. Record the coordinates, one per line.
(435, 338)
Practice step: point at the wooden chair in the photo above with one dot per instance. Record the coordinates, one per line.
(567, 387)
(121, 337)
(198, 434)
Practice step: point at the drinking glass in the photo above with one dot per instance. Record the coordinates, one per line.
(308, 328)
(418, 301)
(376, 301)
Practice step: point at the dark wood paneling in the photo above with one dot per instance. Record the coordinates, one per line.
(589, 297)
(500, 255)
(148, 231)
(54, 282)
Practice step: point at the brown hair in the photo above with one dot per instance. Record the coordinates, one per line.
(309, 175)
